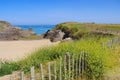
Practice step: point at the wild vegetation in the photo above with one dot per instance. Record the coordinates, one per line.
(100, 58)
(78, 30)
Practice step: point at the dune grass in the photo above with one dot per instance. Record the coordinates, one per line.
(96, 56)
(99, 59)
(78, 30)
(32, 37)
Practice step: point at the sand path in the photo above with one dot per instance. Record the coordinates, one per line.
(14, 50)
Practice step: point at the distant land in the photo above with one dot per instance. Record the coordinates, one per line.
(74, 30)
(10, 32)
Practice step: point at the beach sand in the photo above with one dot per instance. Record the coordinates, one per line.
(15, 50)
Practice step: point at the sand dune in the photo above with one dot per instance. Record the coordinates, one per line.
(14, 50)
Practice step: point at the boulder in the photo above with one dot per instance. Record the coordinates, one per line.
(54, 35)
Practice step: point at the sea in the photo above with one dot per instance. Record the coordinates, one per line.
(38, 29)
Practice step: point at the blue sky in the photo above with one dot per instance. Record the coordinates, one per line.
(57, 11)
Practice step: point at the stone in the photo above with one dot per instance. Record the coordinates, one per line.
(67, 39)
(9, 32)
(54, 35)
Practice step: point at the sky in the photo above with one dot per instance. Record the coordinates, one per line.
(58, 11)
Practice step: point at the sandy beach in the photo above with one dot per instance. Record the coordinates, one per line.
(15, 50)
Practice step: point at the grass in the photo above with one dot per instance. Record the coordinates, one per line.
(77, 30)
(32, 37)
(1, 27)
(96, 56)
(99, 60)
(3, 24)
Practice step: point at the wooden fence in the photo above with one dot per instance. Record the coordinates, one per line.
(113, 42)
(67, 68)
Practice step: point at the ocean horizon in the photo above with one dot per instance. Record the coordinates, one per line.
(37, 29)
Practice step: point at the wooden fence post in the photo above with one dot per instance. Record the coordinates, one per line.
(65, 67)
(79, 64)
(69, 68)
(76, 66)
(41, 70)
(11, 77)
(32, 73)
(49, 71)
(83, 63)
(67, 61)
(73, 67)
(60, 68)
(55, 77)
(21, 75)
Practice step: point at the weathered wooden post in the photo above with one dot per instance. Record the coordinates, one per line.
(79, 64)
(60, 68)
(41, 70)
(21, 75)
(11, 77)
(49, 71)
(83, 64)
(55, 75)
(69, 67)
(76, 66)
(65, 67)
(68, 64)
(32, 73)
(73, 67)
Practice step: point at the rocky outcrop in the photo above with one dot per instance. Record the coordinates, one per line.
(5, 25)
(9, 32)
(54, 35)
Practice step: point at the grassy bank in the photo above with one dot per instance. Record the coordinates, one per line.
(96, 56)
(99, 59)
(78, 30)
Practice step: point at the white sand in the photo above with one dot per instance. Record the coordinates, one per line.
(14, 50)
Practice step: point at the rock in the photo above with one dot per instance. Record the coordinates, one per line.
(49, 34)
(67, 39)
(9, 32)
(54, 35)
(5, 25)
(30, 29)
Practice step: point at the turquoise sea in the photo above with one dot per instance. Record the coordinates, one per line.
(38, 29)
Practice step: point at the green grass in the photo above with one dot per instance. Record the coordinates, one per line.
(78, 30)
(2, 24)
(32, 37)
(1, 27)
(99, 60)
(96, 56)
